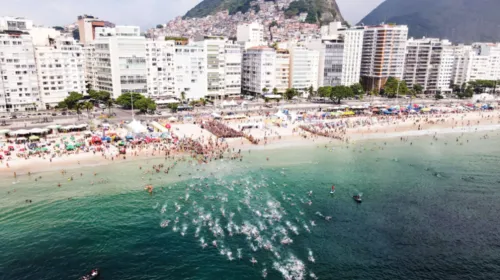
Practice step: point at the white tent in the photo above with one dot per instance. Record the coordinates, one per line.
(482, 97)
(273, 96)
(20, 132)
(280, 115)
(136, 127)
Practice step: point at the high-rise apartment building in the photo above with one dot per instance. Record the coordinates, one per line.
(232, 76)
(462, 64)
(215, 52)
(19, 89)
(60, 69)
(340, 54)
(119, 61)
(383, 55)
(161, 69)
(488, 61)
(259, 70)
(282, 75)
(304, 67)
(190, 71)
(429, 63)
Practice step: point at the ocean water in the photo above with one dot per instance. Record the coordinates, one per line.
(430, 211)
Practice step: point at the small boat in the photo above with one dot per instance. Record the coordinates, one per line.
(333, 190)
(357, 198)
(94, 274)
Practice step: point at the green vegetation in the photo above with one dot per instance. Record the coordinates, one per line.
(336, 93)
(290, 93)
(71, 101)
(480, 86)
(319, 11)
(393, 87)
(141, 102)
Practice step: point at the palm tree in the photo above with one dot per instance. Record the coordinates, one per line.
(78, 107)
(88, 106)
(264, 91)
(109, 104)
(183, 96)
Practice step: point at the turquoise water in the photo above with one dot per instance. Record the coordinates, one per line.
(428, 212)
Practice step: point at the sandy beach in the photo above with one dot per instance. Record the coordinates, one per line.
(270, 134)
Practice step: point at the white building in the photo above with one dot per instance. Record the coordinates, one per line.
(259, 70)
(232, 75)
(119, 60)
(161, 69)
(215, 60)
(18, 79)
(15, 24)
(41, 35)
(282, 75)
(429, 63)
(340, 54)
(487, 61)
(462, 64)
(304, 68)
(252, 32)
(60, 69)
(353, 51)
(190, 63)
(383, 56)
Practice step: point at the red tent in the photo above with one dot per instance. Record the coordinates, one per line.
(96, 140)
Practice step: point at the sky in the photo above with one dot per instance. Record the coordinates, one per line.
(145, 13)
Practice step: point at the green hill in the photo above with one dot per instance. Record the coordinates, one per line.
(318, 10)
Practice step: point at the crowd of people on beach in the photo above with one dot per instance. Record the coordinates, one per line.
(221, 130)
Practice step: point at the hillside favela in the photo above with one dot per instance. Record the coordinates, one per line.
(250, 139)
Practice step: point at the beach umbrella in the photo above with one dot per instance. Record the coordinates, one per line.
(168, 126)
(70, 147)
(4, 131)
(44, 149)
(34, 138)
(121, 143)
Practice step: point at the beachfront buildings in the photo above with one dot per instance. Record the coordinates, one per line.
(60, 69)
(304, 67)
(190, 62)
(19, 89)
(429, 63)
(161, 69)
(383, 56)
(479, 61)
(282, 74)
(259, 70)
(118, 60)
(232, 76)
(342, 55)
(214, 49)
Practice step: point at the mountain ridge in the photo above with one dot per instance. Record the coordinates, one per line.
(319, 11)
(460, 21)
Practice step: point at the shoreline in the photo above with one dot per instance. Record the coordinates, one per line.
(85, 160)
